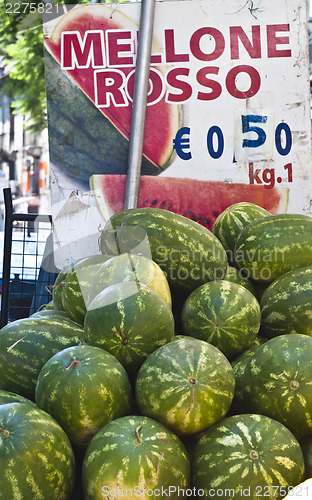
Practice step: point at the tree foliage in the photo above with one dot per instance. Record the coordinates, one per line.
(21, 52)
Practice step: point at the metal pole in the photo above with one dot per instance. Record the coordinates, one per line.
(6, 267)
(141, 84)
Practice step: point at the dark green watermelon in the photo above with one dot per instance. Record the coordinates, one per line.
(224, 314)
(130, 320)
(186, 385)
(188, 253)
(37, 460)
(26, 344)
(77, 285)
(247, 456)
(83, 388)
(277, 382)
(139, 455)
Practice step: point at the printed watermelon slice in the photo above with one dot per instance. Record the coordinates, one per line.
(162, 119)
(198, 200)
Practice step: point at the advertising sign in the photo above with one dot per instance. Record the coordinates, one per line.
(228, 115)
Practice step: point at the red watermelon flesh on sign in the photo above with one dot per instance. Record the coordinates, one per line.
(201, 201)
(162, 118)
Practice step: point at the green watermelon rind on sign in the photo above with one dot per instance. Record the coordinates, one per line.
(286, 304)
(137, 455)
(186, 385)
(277, 382)
(37, 460)
(247, 456)
(75, 118)
(223, 313)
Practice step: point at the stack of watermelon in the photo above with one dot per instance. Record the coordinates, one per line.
(176, 363)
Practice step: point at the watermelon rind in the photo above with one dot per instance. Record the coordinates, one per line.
(277, 382)
(286, 304)
(186, 385)
(26, 344)
(130, 267)
(77, 284)
(83, 388)
(57, 288)
(188, 253)
(232, 221)
(12, 397)
(306, 447)
(239, 364)
(269, 247)
(224, 314)
(247, 456)
(130, 320)
(135, 455)
(238, 276)
(37, 460)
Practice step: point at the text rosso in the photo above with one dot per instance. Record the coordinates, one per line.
(111, 54)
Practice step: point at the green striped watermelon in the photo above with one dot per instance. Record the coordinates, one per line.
(239, 364)
(77, 285)
(37, 460)
(247, 456)
(286, 304)
(12, 397)
(130, 320)
(224, 314)
(83, 388)
(277, 382)
(232, 220)
(187, 252)
(274, 245)
(58, 286)
(49, 312)
(26, 344)
(128, 267)
(239, 276)
(186, 385)
(108, 241)
(135, 456)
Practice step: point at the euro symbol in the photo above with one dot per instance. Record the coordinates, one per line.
(180, 143)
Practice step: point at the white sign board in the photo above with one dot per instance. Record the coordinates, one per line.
(228, 111)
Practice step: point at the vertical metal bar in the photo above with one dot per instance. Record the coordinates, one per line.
(141, 83)
(7, 248)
